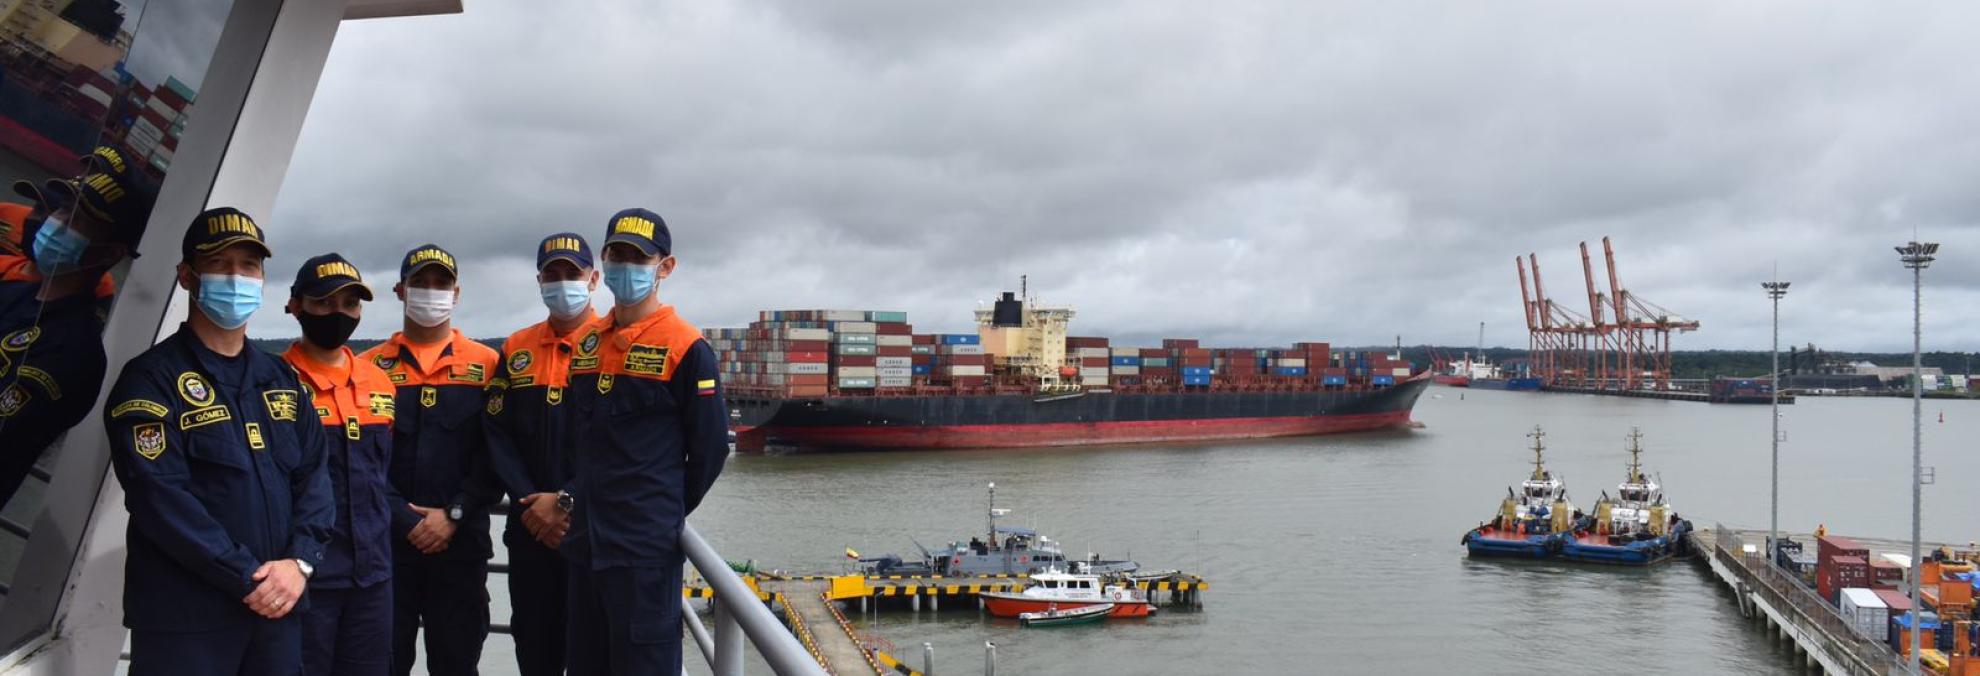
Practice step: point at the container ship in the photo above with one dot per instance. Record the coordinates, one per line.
(845, 380)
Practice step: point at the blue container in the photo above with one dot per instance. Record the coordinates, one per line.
(1192, 371)
(1290, 371)
(923, 370)
(1196, 380)
(1333, 380)
(960, 339)
(1384, 380)
(1127, 361)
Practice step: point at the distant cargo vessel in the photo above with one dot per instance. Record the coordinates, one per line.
(832, 380)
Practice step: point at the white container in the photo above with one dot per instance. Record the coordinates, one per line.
(1864, 612)
(847, 338)
(804, 334)
(893, 341)
(1291, 363)
(924, 349)
(893, 362)
(1401, 372)
(1127, 370)
(1086, 352)
(844, 315)
(895, 371)
(1093, 373)
(896, 382)
(857, 372)
(962, 349)
(965, 371)
(807, 369)
(855, 327)
(1125, 351)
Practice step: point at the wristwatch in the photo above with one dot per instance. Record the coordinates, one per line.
(566, 501)
(307, 570)
(455, 513)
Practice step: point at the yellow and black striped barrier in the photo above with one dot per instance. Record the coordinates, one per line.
(943, 590)
(1166, 585)
(894, 665)
(1002, 576)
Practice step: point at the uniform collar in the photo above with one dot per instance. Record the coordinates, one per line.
(541, 334)
(665, 312)
(206, 361)
(447, 353)
(321, 376)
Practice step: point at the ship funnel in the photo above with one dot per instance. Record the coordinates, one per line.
(1009, 312)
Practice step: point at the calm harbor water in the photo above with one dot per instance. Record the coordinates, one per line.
(1340, 554)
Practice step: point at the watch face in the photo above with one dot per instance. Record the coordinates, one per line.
(454, 513)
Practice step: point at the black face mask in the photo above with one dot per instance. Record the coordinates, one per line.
(327, 331)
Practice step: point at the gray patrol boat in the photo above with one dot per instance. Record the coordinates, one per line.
(1009, 550)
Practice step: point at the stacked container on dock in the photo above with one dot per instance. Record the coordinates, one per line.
(1840, 572)
(1865, 612)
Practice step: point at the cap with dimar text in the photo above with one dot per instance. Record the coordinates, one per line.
(567, 246)
(642, 229)
(219, 228)
(325, 275)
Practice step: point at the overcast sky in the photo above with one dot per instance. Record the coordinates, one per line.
(1263, 173)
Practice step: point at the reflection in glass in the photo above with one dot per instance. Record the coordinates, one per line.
(94, 97)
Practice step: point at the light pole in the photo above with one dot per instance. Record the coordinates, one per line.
(1916, 255)
(1775, 290)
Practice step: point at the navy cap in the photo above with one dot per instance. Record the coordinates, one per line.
(105, 159)
(425, 255)
(640, 228)
(564, 246)
(325, 275)
(219, 228)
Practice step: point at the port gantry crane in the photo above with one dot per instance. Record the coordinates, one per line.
(1623, 343)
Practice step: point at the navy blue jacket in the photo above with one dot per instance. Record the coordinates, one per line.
(356, 406)
(655, 436)
(218, 478)
(532, 430)
(51, 369)
(439, 446)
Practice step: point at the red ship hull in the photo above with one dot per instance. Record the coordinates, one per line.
(1078, 434)
(1453, 381)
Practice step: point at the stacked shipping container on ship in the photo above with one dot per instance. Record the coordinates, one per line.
(843, 379)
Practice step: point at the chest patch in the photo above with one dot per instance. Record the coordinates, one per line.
(554, 395)
(650, 360)
(383, 405)
(201, 417)
(519, 362)
(495, 402)
(281, 404)
(589, 345)
(194, 389)
(384, 362)
(20, 340)
(428, 396)
(474, 373)
(254, 437)
(604, 383)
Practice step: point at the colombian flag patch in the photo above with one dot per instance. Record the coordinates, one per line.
(705, 388)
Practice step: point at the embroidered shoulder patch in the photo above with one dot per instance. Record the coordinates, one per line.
(13, 400)
(148, 439)
(519, 362)
(281, 404)
(589, 345)
(145, 406)
(20, 340)
(705, 387)
(194, 390)
(648, 360)
(47, 382)
(384, 362)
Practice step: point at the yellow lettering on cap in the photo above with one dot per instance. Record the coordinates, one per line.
(561, 244)
(110, 156)
(336, 268)
(429, 255)
(633, 225)
(231, 224)
(105, 187)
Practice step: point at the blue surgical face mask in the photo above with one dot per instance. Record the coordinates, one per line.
(229, 300)
(630, 283)
(565, 299)
(58, 248)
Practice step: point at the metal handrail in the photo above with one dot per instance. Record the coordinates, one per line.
(735, 608)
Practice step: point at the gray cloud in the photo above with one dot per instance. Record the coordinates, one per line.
(1266, 173)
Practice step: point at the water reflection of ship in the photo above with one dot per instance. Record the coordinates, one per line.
(1009, 550)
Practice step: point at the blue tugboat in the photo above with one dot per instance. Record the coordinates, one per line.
(1636, 528)
(1533, 523)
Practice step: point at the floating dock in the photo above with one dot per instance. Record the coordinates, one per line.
(809, 606)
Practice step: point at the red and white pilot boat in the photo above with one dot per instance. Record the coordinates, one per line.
(1065, 591)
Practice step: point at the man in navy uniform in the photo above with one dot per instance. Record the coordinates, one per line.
(440, 464)
(654, 437)
(350, 615)
(51, 326)
(532, 433)
(221, 457)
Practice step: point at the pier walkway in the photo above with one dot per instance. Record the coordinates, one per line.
(1791, 609)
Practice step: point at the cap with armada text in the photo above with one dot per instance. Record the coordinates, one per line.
(642, 229)
(567, 246)
(219, 228)
(425, 255)
(325, 275)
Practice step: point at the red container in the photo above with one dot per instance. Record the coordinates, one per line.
(806, 357)
(1085, 341)
(1095, 362)
(923, 359)
(1196, 353)
(894, 351)
(1179, 343)
(1147, 353)
(1836, 545)
(1885, 572)
(818, 379)
(807, 345)
(924, 339)
(1899, 601)
(1836, 573)
(893, 329)
(854, 360)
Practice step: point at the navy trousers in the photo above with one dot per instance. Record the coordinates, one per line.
(345, 631)
(625, 621)
(265, 647)
(449, 601)
(539, 596)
